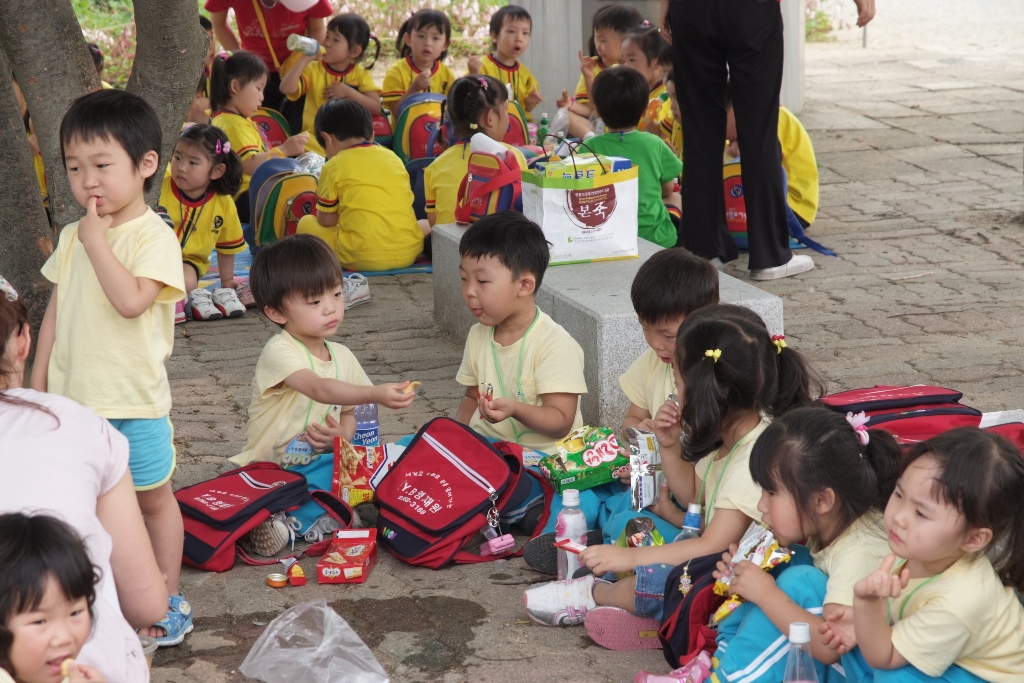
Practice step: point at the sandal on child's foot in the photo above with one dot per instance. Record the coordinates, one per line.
(177, 623)
(616, 629)
(541, 554)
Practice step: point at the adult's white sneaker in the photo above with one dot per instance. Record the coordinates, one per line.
(561, 603)
(798, 264)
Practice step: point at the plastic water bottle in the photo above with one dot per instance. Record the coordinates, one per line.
(571, 524)
(800, 665)
(691, 523)
(367, 425)
(542, 129)
(304, 44)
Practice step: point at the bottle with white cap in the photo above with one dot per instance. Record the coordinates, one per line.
(691, 523)
(571, 524)
(800, 665)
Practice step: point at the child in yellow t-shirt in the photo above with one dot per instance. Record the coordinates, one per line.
(642, 49)
(423, 42)
(364, 201)
(476, 104)
(671, 128)
(335, 73)
(510, 36)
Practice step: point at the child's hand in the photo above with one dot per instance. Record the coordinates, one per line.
(533, 99)
(881, 583)
(337, 91)
(586, 66)
(666, 509)
(666, 425)
(749, 581)
(295, 145)
(564, 101)
(80, 673)
(321, 436)
(392, 396)
(93, 227)
(837, 628)
(497, 409)
(602, 559)
(475, 64)
(421, 83)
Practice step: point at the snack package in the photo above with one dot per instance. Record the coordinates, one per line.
(587, 457)
(645, 472)
(580, 166)
(353, 467)
(639, 532)
(349, 558)
(760, 547)
(310, 162)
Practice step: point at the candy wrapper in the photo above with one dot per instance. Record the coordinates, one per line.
(310, 162)
(760, 547)
(645, 472)
(587, 457)
(638, 533)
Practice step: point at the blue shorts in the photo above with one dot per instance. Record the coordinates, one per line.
(151, 455)
(649, 600)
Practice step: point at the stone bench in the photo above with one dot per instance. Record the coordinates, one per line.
(591, 301)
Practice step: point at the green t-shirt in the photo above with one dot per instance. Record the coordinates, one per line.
(658, 165)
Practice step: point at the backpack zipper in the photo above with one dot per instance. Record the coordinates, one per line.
(468, 471)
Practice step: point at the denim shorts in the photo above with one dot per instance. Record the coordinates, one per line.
(151, 455)
(650, 589)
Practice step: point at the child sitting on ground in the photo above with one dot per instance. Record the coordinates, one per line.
(364, 202)
(621, 96)
(109, 326)
(423, 41)
(510, 36)
(205, 174)
(335, 73)
(642, 50)
(477, 104)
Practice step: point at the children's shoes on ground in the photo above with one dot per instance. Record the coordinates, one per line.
(177, 623)
(200, 302)
(179, 312)
(226, 301)
(616, 629)
(561, 603)
(244, 292)
(355, 289)
(695, 671)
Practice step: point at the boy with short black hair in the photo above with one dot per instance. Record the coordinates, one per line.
(510, 36)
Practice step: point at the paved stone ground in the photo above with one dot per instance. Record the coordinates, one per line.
(921, 170)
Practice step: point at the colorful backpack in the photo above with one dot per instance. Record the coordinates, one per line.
(272, 125)
(518, 133)
(416, 122)
(491, 185)
(279, 195)
(382, 133)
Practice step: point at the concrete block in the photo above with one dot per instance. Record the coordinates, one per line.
(591, 301)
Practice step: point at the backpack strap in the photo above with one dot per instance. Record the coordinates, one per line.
(513, 176)
(266, 35)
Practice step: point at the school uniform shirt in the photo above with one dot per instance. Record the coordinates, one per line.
(738, 490)
(658, 97)
(965, 616)
(648, 382)
(316, 77)
(658, 165)
(202, 225)
(582, 96)
(113, 364)
(552, 364)
(518, 76)
(854, 554)
(278, 413)
(245, 137)
(442, 178)
(402, 73)
(671, 130)
(800, 164)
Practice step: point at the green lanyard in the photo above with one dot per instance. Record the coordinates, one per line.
(312, 367)
(903, 605)
(721, 475)
(519, 375)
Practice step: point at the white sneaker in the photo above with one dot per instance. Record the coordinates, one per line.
(356, 290)
(228, 303)
(798, 264)
(717, 263)
(203, 308)
(561, 603)
(270, 537)
(323, 526)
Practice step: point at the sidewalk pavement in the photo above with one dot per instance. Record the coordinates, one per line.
(922, 194)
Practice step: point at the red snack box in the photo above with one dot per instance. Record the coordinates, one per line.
(349, 558)
(353, 467)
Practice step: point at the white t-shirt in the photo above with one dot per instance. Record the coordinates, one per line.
(61, 471)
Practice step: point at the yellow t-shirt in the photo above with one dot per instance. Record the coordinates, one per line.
(277, 413)
(552, 363)
(582, 96)
(245, 137)
(854, 554)
(113, 364)
(671, 131)
(522, 81)
(402, 73)
(368, 187)
(738, 490)
(316, 77)
(965, 616)
(202, 225)
(648, 382)
(441, 180)
(800, 164)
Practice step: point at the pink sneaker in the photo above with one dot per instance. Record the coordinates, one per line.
(244, 293)
(617, 629)
(696, 671)
(179, 312)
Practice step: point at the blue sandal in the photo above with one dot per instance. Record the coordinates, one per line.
(177, 623)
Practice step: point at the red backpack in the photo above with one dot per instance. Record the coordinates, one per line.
(443, 490)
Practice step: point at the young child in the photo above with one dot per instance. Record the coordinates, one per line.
(109, 326)
(477, 104)
(47, 588)
(199, 110)
(236, 92)
(642, 50)
(532, 365)
(364, 202)
(621, 97)
(731, 377)
(610, 26)
(211, 51)
(949, 610)
(510, 36)
(423, 41)
(205, 174)
(671, 129)
(335, 74)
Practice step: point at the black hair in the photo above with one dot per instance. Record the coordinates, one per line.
(507, 13)
(752, 372)
(344, 119)
(208, 137)
(123, 116)
(469, 98)
(619, 18)
(300, 264)
(983, 478)
(205, 23)
(620, 94)
(357, 33)
(648, 39)
(34, 549)
(424, 18)
(13, 319)
(517, 242)
(670, 76)
(673, 284)
(666, 58)
(97, 56)
(244, 67)
(812, 448)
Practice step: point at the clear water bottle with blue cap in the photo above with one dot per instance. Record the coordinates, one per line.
(691, 523)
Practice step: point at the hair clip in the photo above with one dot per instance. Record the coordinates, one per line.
(483, 82)
(713, 355)
(859, 423)
(646, 23)
(222, 148)
(224, 54)
(473, 126)
(780, 341)
(9, 292)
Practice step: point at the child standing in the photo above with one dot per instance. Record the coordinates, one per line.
(642, 50)
(335, 73)
(364, 202)
(423, 41)
(510, 36)
(621, 95)
(205, 174)
(109, 325)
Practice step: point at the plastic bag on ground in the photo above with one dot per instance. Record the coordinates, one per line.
(310, 643)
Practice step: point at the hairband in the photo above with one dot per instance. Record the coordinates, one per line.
(9, 292)
(483, 82)
(713, 355)
(780, 341)
(473, 126)
(859, 423)
(222, 148)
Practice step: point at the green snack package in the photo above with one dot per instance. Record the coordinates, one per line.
(587, 457)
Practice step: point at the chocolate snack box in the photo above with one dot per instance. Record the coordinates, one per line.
(587, 457)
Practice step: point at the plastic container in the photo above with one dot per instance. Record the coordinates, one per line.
(572, 525)
(367, 425)
(800, 664)
(691, 523)
(149, 647)
(304, 44)
(542, 130)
